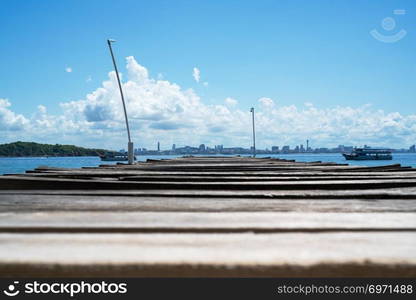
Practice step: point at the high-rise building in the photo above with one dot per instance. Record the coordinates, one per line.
(275, 149)
(285, 149)
(412, 148)
(158, 146)
(173, 147)
(219, 147)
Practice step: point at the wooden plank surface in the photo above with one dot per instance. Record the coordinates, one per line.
(204, 222)
(14, 182)
(355, 254)
(397, 193)
(52, 202)
(210, 216)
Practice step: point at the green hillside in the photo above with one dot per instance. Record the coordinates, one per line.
(18, 149)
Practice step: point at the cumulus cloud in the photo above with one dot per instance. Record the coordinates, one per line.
(266, 102)
(230, 102)
(161, 110)
(10, 120)
(196, 74)
(68, 69)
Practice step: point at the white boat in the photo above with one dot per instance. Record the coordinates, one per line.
(369, 154)
(115, 157)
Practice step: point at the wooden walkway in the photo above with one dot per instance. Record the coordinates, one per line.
(210, 216)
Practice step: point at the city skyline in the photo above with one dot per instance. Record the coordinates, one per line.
(189, 80)
(286, 149)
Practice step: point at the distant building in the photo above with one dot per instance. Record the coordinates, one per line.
(297, 150)
(204, 149)
(285, 149)
(412, 148)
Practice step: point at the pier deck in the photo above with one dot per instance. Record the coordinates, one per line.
(210, 216)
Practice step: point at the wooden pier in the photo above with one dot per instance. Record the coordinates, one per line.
(210, 216)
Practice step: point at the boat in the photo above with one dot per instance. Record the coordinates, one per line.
(369, 154)
(115, 157)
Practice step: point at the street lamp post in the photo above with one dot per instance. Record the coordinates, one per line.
(130, 143)
(254, 132)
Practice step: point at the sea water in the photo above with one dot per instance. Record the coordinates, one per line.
(15, 165)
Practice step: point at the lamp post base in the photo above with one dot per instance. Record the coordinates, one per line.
(130, 153)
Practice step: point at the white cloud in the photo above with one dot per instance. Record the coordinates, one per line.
(266, 102)
(89, 78)
(10, 120)
(164, 111)
(196, 74)
(230, 102)
(42, 109)
(68, 69)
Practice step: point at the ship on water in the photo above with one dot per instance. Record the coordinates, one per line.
(369, 154)
(115, 157)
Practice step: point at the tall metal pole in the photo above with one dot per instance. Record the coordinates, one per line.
(254, 133)
(130, 144)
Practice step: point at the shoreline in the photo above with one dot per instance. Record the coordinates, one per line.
(196, 154)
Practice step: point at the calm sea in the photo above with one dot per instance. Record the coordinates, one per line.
(15, 165)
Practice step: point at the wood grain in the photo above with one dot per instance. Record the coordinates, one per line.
(210, 216)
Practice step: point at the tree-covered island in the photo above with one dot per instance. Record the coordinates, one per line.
(19, 149)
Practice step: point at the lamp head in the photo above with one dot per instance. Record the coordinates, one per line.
(111, 41)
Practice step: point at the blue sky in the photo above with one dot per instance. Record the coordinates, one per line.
(293, 52)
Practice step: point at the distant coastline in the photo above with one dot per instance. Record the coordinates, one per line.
(221, 150)
(30, 149)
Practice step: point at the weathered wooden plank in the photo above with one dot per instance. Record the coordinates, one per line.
(19, 182)
(254, 167)
(396, 193)
(204, 222)
(45, 203)
(191, 178)
(210, 163)
(197, 177)
(168, 178)
(246, 254)
(122, 172)
(296, 204)
(239, 162)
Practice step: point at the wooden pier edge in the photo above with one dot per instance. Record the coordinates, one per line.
(359, 270)
(209, 217)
